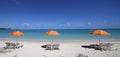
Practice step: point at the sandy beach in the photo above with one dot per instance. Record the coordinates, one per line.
(66, 49)
(59, 28)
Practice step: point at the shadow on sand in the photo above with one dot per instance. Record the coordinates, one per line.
(3, 50)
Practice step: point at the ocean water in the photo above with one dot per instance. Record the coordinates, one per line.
(64, 34)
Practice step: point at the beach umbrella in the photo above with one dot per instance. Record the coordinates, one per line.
(100, 32)
(17, 33)
(52, 33)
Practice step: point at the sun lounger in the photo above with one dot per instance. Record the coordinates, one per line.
(11, 45)
(52, 47)
(43, 46)
(90, 46)
(101, 46)
(104, 46)
(48, 47)
(56, 46)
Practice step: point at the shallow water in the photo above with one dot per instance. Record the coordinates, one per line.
(64, 34)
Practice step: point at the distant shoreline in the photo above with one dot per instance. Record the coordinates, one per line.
(57, 29)
(5, 28)
(59, 40)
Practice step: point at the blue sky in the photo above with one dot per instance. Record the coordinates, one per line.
(60, 14)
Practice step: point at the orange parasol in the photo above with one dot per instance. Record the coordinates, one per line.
(52, 33)
(100, 32)
(17, 33)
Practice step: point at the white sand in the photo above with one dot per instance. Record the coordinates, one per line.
(67, 49)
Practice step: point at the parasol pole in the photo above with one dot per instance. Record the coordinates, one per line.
(17, 39)
(99, 40)
(51, 43)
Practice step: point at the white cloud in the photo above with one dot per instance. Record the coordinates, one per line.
(68, 24)
(81, 25)
(89, 23)
(25, 25)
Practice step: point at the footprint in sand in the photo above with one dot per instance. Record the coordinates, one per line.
(15, 55)
(44, 56)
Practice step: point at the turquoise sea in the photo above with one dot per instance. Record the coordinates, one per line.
(64, 34)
